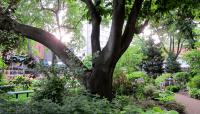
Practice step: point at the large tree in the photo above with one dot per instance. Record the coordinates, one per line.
(127, 19)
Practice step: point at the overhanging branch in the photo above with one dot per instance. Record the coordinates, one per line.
(45, 38)
(130, 26)
(96, 20)
(142, 27)
(118, 17)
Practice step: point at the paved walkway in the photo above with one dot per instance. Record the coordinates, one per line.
(192, 106)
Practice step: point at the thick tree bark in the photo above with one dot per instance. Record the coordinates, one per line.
(100, 81)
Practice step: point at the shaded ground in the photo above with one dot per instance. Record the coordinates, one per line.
(192, 106)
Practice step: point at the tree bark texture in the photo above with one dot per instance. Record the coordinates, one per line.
(100, 81)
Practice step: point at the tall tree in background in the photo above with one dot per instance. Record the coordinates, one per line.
(176, 34)
(171, 65)
(153, 63)
(128, 18)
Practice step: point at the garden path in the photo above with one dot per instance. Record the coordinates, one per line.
(192, 106)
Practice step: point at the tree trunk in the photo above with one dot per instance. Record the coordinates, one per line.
(54, 60)
(100, 81)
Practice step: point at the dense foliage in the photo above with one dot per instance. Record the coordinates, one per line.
(51, 88)
(153, 63)
(193, 59)
(172, 66)
(131, 59)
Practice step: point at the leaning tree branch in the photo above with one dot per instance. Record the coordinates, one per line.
(118, 17)
(162, 44)
(96, 20)
(45, 38)
(130, 28)
(179, 51)
(142, 27)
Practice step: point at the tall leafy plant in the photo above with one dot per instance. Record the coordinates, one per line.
(131, 59)
(172, 66)
(153, 64)
(193, 59)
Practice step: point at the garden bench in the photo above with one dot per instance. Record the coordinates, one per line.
(6, 86)
(20, 92)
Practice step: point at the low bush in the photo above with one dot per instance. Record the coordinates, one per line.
(158, 110)
(138, 91)
(79, 104)
(132, 84)
(3, 80)
(146, 104)
(136, 75)
(6, 89)
(175, 106)
(195, 93)
(87, 61)
(21, 81)
(149, 90)
(51, 88)
(164, 96)
(195, 82)
(121, 85)
(181, 79)
(162, 78)
(193, 59)
(173, 88)
(34, 107)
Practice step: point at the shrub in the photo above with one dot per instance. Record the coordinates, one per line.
(135, 75)
(87, 61)
(81, 104)
(195, 93)
(78, 104)
(172, 66)
(3, 81)
(162, 78)
(34, 107)
(124, 86)
(173, 88)
(146, 104)
(193, 59)
(138, 91)
(175, 106)
(21, 80)
(181, 79)
(52, 88)
(121, 85)
(149, 90)
(158, 110)
(164, 96)
(131, 109)
(130, 60)
(195, 82)
(153, 63)
(2, 64)
(6, 89)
